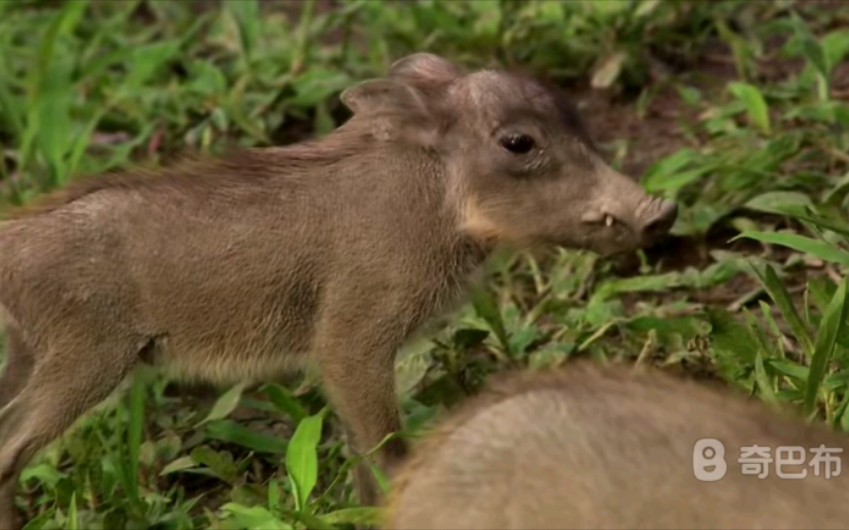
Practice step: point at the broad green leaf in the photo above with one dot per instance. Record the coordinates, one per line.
(230, 431)
(145, 61)
(207, 80)
(254, 517)
(647, 283)
(286, 402)
(412, 364)
(317, 85)
(797, 205)
(220, 463)
(833, 321)
(817, 248)
(756, 106)
(676, 181)
(835, 47)
(523, 338)
(487, 308)
(225, 404)
(302, 458)
(788, 368)
(44, 473)
(663, 174)
(180, 464)
(418, 415)
(780, 202)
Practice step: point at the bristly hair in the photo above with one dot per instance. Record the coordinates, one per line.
(564, 105)
(256, 163)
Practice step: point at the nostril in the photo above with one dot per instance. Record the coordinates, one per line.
(662, 222)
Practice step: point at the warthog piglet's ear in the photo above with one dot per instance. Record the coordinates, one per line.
(382, 96)
(425, 70)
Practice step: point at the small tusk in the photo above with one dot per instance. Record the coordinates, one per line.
(608, 220)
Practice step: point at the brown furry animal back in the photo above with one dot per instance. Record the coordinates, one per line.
(602, 447)
(247, 163)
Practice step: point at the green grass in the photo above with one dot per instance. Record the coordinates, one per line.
(754, 292)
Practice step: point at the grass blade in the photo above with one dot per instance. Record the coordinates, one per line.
(135, 435)
(776, 290)
(819, 249)
(360, 516)
(232, 432)
(73, 515)
(833, 321)
(763, 381)
(247, 16)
